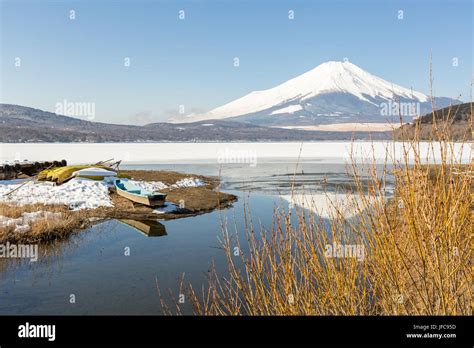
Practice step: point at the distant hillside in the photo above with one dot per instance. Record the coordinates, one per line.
(24, 124)
(20, 124)
(458, 117)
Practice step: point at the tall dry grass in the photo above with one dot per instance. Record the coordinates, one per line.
(415, 238)
(43, 229)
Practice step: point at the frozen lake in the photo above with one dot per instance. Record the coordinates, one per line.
(221, 153)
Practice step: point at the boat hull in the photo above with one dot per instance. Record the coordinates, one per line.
(147, 198)
(141, 200)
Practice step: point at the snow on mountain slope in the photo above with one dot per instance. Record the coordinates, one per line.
(327, 78)
(289, 109)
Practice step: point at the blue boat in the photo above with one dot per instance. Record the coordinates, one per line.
(138, 195)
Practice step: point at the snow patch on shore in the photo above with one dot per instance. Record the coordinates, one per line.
(188, 182)
(149, 185)
(158, 185)
(77, 194)
(167, 208)
(22, 224)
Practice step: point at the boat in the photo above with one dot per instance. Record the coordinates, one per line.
(62, 174)
(138, 195)
(150, 228)
(94, 173)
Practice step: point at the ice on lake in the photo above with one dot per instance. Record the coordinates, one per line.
(247, 153)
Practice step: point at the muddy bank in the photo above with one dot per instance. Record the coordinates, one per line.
(189, 201)
(181, 202)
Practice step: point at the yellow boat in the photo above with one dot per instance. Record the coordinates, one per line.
(61, 174)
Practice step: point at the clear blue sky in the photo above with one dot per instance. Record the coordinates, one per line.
(190, 62)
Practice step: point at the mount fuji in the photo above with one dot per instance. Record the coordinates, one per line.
(333, 92)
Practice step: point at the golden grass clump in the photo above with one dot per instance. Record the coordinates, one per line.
(406, 251)
(44, 229)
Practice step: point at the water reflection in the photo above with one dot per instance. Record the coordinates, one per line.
(150, 228)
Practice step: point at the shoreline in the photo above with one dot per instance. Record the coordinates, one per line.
(187, 201)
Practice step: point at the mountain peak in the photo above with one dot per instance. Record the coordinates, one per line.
(337, 64)
(303, 93)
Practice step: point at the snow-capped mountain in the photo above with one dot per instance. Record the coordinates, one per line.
(333, 92)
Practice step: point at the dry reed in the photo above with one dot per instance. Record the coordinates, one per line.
(414, 238)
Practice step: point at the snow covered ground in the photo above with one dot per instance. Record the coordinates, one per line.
(77, 194)
(158, 185)
(149, 153)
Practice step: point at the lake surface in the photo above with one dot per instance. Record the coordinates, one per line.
(93, 266)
